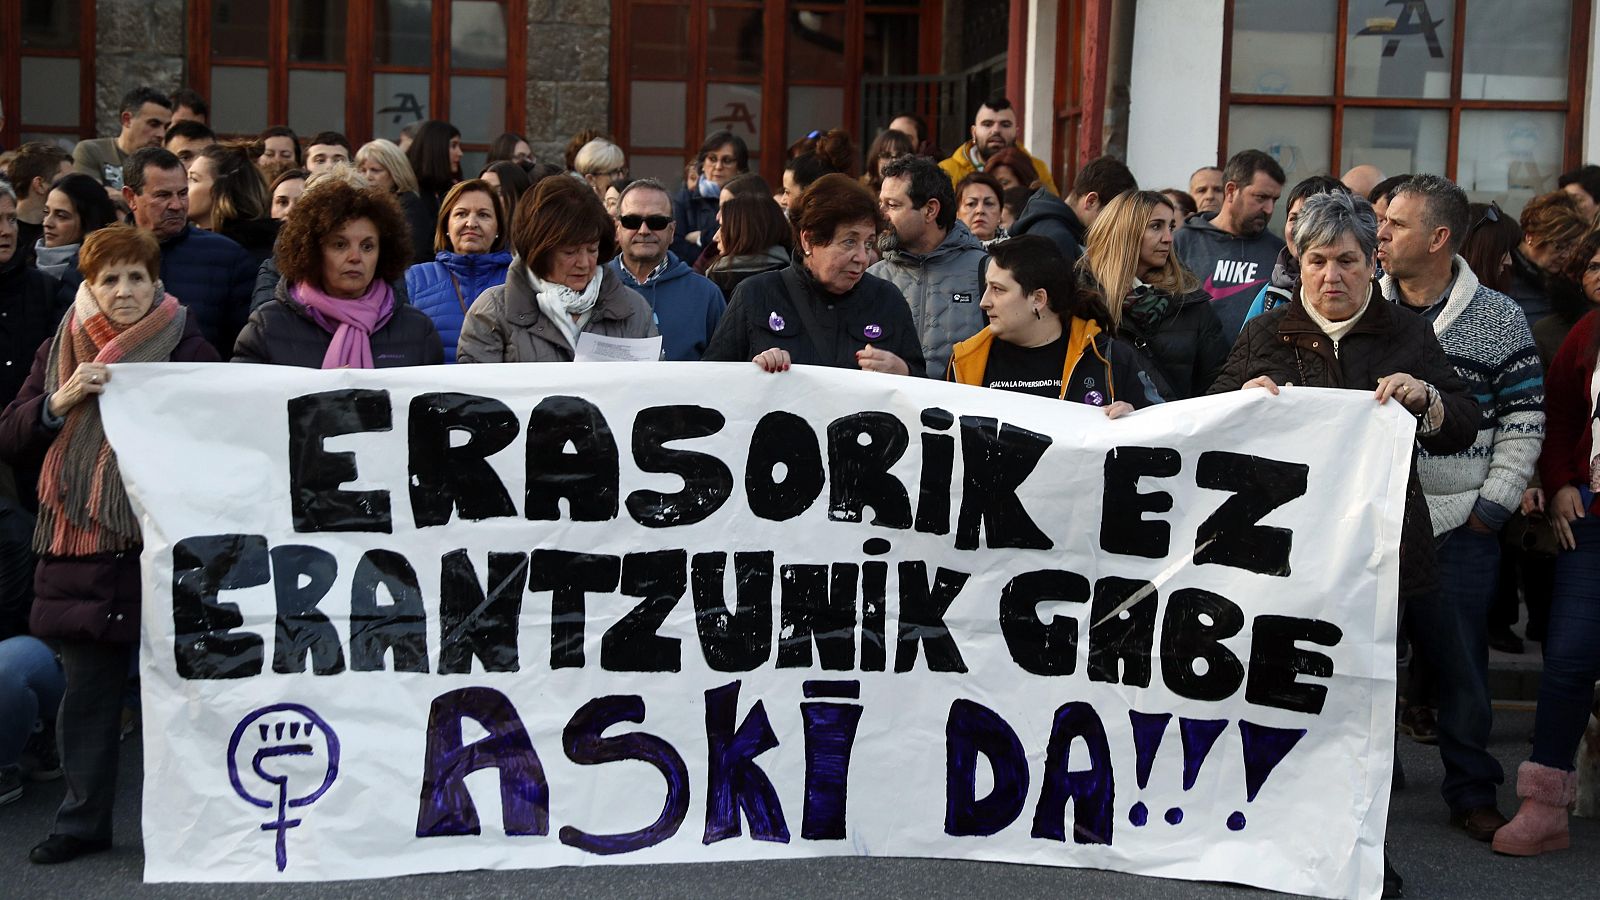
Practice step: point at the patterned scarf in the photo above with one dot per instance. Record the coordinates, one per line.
(83, 508)
(1145, 307)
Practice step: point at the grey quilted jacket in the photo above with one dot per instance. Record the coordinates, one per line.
(943, 289)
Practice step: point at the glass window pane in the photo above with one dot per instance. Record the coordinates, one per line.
(472, 162)
(238, 100)
(1516, 51)
(657, 38)
(668, 170)
(402, 32)
(1397, 141)
(397, 98)
(891, 45)
(239, 29)
(1509, 156)
(816, 45)
(733, 42)
(657, 113)
(1300, 138)
(51, 24)
(316, 30)
(735, 108)
(49, 90)
(478, 107)
(1284, 46)
(814, 109)
(316, 102)
(1399, 49)
(64, 141)
(477, 34)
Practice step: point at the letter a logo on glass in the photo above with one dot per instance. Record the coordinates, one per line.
(282, 756)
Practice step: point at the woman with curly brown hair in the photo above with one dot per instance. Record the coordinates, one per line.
(334, 309)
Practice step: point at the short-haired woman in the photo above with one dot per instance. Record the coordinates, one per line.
(599, 163)
(558, 288)
(723, 157)
(333, 308)
(824, 309)
(1048, 338)
(87, 584)
(978, 205)
(471, 257)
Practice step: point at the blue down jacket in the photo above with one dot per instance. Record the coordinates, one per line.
(433, 291)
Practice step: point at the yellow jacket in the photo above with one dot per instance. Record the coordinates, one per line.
(970, 358)
(960, 165)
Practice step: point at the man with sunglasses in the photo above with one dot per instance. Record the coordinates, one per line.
(1470, 494)
(687, 305)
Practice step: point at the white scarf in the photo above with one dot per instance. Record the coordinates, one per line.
(560, 303)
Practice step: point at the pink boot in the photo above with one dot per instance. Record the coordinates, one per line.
(1541, 824)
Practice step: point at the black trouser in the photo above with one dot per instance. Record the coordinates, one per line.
(88, 732)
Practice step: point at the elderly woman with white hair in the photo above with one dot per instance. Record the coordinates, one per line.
(1339, 332)
(599, 163)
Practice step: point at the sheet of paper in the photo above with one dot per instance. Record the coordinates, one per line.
(599, 348)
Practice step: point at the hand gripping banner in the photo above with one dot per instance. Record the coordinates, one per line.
(517, 616)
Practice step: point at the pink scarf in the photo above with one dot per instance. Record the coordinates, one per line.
(351, 322)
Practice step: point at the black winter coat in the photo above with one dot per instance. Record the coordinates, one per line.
(256, 236)
(281, 333)
(791, 311)
(31, 304)
(1186, 346)
(1286, 345)
(422, 224)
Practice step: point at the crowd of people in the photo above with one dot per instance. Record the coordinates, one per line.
(166, 243)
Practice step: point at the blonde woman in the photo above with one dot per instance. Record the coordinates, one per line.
(1155, 303)
(385, 167)
(599, 163)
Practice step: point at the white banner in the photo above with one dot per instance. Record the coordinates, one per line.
(516, 616)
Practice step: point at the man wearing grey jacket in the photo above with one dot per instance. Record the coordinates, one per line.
(933, 259)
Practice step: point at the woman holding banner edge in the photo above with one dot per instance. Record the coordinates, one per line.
(87, 585)
(1339, 332)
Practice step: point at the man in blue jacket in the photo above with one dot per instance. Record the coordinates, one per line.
(687, 305)
(207, 272)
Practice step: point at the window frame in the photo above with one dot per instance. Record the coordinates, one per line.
(773, 80)
(359, 67)
(11, 54)
(1338, 102)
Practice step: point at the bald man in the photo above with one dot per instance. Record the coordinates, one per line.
(1362, 179)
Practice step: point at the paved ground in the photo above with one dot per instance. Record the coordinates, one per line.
(1435, 860)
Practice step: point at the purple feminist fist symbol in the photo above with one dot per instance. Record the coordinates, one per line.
(775, 322)
(298, 746)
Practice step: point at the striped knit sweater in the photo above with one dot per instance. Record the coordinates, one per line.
(1486, 337)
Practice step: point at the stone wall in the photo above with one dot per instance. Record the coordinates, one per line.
(137, 42)
(569, 72)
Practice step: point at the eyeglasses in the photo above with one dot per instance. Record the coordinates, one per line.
(1490, 215)
(712, 159)
(614, 173)
(656, 223)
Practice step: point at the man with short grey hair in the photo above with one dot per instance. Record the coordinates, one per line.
(1472, 493)
(687, 305)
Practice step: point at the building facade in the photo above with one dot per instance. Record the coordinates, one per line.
(1494, 93)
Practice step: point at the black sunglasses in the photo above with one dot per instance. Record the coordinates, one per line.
(656, 223)
(1490, 215)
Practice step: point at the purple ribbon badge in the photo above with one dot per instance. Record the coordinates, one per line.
(872, 332)
(775, 322)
